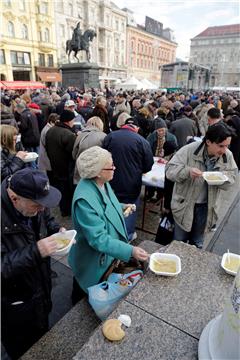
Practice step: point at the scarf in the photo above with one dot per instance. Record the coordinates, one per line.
(160, 143)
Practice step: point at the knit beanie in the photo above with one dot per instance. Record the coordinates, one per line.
(66, 116)
(92, 161)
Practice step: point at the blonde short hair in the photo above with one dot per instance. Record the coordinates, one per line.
(95, 121)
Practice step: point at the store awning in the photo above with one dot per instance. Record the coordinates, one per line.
(49, 76)
(16, 85)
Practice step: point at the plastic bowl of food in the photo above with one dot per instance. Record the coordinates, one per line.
(31, 156)
(230, 263)
(214, 177)
(165, 264)
(65, 240)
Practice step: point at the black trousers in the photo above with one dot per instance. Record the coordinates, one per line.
(77, 293)
(22, 325)
(66, 187)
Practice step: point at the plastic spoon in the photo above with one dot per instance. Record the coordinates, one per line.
(228, 257)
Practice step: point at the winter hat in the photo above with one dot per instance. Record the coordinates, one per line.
(69, 103)
(34, 106)
(92, 161)
(67, 116)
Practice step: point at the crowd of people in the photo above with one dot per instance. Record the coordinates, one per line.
(93, 148)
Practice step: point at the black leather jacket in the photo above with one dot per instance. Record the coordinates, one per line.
(25, 274)
(10, 164)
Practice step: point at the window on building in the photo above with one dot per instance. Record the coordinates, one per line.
(50, 60)
(79, 11)
(20, 58)
(11, 31)
(142, 48)
(44, 8)
(7, 3)
(70, 6)
(107, 20)
(41, 59)
(62, 30)
(2, 56)
(39, 35)
(116, 25)
(60, 6)
(24, 32)
(122, 26)
(101, 56)
(132, 45)
(137, 62)
(122, 44)
(22, 5)
(46, 35)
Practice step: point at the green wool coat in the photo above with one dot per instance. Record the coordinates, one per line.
(101, 233)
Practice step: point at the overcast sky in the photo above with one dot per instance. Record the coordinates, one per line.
(186, 17)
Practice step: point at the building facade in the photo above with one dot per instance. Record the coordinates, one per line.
(181, 74)
(149, 47)
(28, 41)
(108, 49)
(218, 48)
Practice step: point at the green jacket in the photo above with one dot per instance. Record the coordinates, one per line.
(186, 190)
(101, 233)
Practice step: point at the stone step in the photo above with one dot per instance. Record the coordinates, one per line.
(67, 336)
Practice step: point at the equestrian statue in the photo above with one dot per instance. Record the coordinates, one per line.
(80, 42)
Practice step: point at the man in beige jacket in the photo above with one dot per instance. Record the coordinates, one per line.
(194, 202)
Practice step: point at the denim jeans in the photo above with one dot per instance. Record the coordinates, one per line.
(195, 236)
(130, 221)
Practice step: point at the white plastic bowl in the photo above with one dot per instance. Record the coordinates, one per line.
(222, 177)
(70, 234)
(161, 256)
(31, 156)
(224, 260)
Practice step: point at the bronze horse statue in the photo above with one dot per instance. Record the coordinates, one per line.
(84, 44)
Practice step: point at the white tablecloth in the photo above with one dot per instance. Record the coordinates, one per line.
(155, 177)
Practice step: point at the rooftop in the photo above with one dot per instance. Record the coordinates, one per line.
(220, 30)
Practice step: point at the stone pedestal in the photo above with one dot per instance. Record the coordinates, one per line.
(81, 75)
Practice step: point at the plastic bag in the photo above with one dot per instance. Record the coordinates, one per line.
(165, 231)
(104, 297)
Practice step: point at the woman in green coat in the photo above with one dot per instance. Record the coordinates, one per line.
(98, 219)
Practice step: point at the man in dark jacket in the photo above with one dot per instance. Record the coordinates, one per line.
(60, 140)
(28, 126)
(182, 128)
(132, 157)
(25, 249)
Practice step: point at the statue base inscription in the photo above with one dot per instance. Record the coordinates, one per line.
(81, 75)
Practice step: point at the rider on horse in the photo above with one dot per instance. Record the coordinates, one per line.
(76, 37)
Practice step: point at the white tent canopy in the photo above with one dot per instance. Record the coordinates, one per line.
(148, 84)
(131, 83)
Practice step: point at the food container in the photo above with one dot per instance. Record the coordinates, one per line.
(214, 177)
(61, 236)
(31, 156)
(229, 267)
(167, 261)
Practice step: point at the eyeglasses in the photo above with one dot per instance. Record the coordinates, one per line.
(110, 169)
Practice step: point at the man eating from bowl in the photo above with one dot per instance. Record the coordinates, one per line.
(194, 202)
(26, 246)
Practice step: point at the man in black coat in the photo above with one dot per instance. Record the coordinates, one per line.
(132, 156)
(25, 249)
(60, 140)
(28, 126)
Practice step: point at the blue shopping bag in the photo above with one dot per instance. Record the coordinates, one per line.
(104, 297)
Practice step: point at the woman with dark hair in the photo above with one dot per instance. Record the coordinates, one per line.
(100, 110)
(11, 160)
